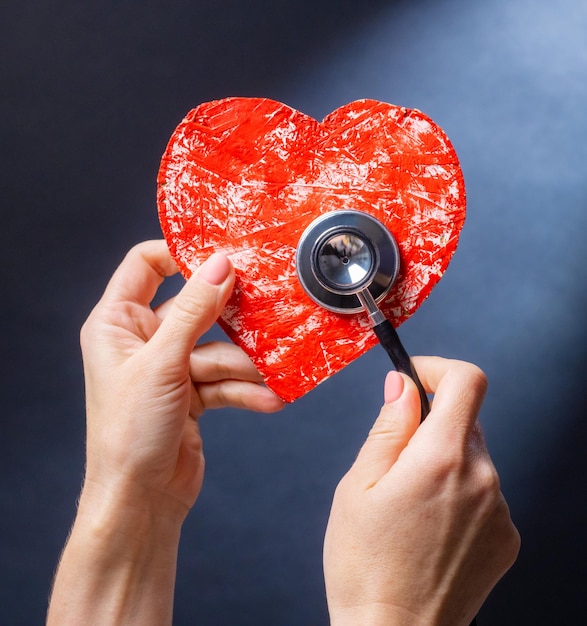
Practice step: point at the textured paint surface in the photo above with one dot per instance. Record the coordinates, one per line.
(245, 176)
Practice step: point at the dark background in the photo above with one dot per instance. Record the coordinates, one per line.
(90, 93)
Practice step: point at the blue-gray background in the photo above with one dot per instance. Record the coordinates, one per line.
(89, 95)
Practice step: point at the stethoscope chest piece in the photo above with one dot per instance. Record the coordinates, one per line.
(343, 253)
(347, 261)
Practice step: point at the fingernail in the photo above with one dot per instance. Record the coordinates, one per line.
(215, 269)
(394, 386)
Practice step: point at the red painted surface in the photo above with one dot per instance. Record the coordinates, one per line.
(245, 176)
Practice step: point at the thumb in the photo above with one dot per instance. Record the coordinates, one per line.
(397, 422)
(195, 308)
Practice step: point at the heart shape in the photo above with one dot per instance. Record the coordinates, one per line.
(245, 176)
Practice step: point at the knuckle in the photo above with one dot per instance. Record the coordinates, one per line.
(473, 374)
(216, 395)
(443, 466)
(488, 480)
(478, 379)
(514, 543)
(469, 386)
(222, 397)
(223, 366)
(87, 332)
(510, 538)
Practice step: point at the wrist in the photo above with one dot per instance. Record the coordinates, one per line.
(375, 614)
(120, 560)
(129, 512)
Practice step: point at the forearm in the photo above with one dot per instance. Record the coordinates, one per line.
(118, 566)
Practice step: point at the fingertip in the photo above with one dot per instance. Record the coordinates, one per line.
(271, 402)
(239, 394)
(197, 306)
(268, 400)
(139, 275)
(393, 387)
(216, 269)
(402, 401)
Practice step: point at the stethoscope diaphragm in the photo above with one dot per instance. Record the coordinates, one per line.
(342, 253)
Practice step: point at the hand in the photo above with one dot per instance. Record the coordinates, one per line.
(419, 532)
(146, 387)
(146, 384)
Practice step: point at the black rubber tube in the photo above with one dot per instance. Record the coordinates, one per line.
(390, 340)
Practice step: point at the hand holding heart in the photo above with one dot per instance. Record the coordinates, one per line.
(146, 387)
(146, 383)
(246, 176)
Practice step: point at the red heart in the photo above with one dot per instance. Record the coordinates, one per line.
(246, 176)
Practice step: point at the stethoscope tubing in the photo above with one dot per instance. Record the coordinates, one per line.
(390, 341)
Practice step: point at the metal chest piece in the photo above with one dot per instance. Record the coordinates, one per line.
(343, 253)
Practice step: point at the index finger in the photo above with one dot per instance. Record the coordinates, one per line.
(458, 387)
(140, 274)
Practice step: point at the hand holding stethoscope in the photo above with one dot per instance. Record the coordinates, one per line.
(347, 261)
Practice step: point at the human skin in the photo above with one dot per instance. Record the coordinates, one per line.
(419, 532)
(146, 387)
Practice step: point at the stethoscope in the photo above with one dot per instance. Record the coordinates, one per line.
(347, 261)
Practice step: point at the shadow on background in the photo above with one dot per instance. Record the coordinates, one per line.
(89, 95)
